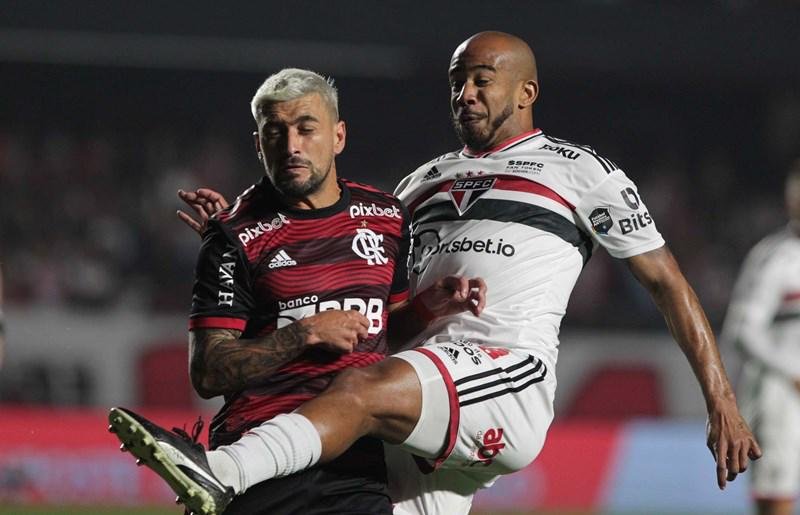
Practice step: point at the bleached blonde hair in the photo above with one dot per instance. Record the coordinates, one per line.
(291, 84)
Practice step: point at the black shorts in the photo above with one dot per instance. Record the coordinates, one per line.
(353, 484)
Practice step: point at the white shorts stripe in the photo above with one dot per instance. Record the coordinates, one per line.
(531, 371)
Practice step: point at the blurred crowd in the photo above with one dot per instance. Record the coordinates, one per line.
(89, 220)
(88, 216)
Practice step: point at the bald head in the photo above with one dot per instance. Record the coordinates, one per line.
(511, 52)
(493, 86)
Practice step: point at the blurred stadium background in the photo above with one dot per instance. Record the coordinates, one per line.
(108, 108)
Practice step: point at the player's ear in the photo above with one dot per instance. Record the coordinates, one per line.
(339, 137)
(528, 93)
(258, 146)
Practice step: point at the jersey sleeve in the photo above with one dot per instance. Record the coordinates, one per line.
(616, 217)
(756, 299)
(221, 296)
(399, 289)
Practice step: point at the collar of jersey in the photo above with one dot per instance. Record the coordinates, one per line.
(502, 146)
(340, 205)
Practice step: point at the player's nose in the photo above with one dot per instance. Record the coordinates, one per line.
(294, 142)
(467, 94)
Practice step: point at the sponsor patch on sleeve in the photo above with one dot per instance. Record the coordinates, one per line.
(601, 220)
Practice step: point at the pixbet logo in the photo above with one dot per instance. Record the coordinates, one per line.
(491, 444)
(261, 228)
(374, 210)
(427, 244)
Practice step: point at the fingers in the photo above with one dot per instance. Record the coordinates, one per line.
(477, 295)
(204, 199)
(340, 331)
(188, 220)
(744, 461)
(200, 206)
(362, 324)
(722, 469)
(732, 462)
(187, 196)
(459, 285)
(754, 451)
(213, 197)
(469, 292)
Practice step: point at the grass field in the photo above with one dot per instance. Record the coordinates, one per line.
(86, 510)
(115, 510)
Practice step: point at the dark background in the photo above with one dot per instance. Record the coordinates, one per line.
(106, 108)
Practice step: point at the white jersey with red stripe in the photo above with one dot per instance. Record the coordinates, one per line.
(763, 321)
(763, 318)
(525, 216)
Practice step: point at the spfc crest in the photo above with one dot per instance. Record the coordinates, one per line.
(465, 192)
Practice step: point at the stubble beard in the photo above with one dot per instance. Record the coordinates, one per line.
(295, 189)
(477, 140)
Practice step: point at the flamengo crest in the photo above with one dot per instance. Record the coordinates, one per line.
(369, 245)
(465, 192)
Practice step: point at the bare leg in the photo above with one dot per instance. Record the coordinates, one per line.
(383, 400)
(775, 506)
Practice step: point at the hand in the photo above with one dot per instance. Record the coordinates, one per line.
(336, 330)
(205, 203)
(730, 442)
(454, 294)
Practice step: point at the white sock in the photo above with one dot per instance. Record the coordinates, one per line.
(279, 447)
(226, 469)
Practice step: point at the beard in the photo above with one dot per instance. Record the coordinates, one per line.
(474, 138)
(292, 187)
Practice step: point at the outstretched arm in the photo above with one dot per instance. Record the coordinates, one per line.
(220, 362)
(729, 438)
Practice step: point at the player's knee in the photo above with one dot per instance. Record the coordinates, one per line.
(355, 384)
(372, 389)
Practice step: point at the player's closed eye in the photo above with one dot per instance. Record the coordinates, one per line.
(272, 132)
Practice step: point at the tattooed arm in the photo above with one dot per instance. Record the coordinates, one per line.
(221, 362)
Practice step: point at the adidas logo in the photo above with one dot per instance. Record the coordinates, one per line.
(433, 173)
(281, 259)
(451, 353)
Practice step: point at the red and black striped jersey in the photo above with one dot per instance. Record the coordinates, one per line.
(263, 265)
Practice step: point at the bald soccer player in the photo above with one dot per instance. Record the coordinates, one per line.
(474, 398)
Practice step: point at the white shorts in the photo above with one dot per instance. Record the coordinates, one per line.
(485, 410)
(442, 491)
(775, 417)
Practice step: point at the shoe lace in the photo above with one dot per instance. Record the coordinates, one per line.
(193, 437)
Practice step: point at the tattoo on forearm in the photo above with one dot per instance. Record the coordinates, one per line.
(224, 363)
